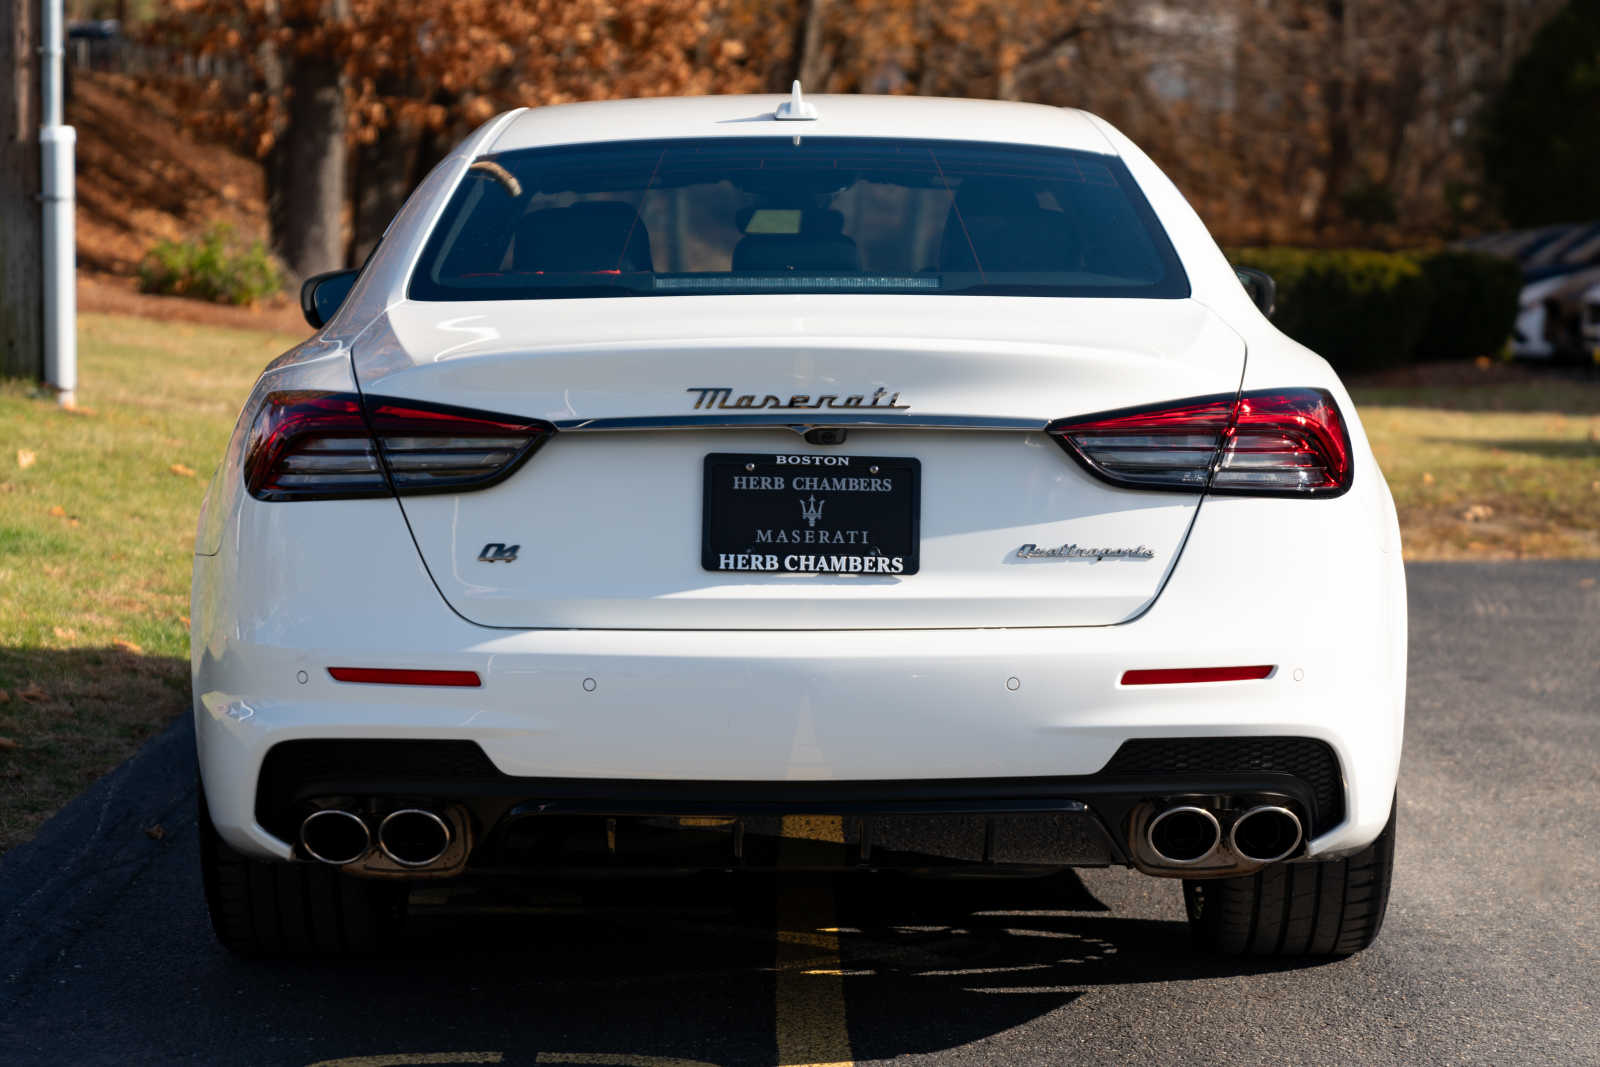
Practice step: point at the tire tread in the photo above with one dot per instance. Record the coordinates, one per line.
(1327, 908)
(267, 909)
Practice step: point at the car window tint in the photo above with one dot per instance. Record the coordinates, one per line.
(781, 214)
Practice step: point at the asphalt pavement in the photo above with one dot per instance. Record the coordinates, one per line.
(1491, 952)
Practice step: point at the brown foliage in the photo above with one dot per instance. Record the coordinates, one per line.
(1298, 120)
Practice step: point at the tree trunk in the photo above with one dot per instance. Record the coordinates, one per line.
(382, 178)
(811, 64)
(21, 227)
(306, 184)
(1336, 94)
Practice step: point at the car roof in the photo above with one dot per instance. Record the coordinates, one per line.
(837, 116)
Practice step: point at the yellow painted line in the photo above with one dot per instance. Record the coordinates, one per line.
(829, 828)
(618, 1059)
(811, 1025)
(407, 1059)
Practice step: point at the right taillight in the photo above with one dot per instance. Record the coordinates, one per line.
(1286, 442)
(319, 446)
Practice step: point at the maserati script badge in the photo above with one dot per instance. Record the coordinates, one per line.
(1071, 551)
(716, 396)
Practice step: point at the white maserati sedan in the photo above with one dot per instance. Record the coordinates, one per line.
(761, 482)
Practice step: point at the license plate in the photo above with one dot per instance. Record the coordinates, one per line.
(811, 514)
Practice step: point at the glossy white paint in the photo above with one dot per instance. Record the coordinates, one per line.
(846, 679)
(609, 523)
(837, 116)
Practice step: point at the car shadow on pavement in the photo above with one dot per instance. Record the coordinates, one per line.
(694, 970)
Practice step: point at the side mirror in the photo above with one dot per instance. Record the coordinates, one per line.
(322, 294)
(1262, 289)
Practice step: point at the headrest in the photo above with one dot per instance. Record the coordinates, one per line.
(997, 196)
(593, 235)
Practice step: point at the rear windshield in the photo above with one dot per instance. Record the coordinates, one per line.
(796, 215)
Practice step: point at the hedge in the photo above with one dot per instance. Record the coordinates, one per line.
(1365, 311)
(1474, 304)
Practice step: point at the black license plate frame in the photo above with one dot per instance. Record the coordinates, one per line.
(873, 528)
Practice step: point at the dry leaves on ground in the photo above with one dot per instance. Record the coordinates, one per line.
(8, 745)
(126, 645)
(25, 458)
(181, 471)
(33, 693)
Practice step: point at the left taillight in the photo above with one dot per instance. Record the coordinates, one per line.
(321, 446)
(1285, 442)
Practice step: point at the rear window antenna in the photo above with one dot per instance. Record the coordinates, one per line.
(796, 108)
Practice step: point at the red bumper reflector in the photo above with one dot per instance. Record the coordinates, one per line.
(1178, 675)
(386, 676)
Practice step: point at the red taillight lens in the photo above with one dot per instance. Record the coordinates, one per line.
(1186, 675)
(1289, 442)
(314, 445)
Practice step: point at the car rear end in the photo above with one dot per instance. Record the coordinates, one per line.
(646, 493)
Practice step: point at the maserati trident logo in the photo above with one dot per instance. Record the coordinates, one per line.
(811, 509)
(723, 397)
(495, 552)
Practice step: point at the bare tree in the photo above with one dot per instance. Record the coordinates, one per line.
(21, 295)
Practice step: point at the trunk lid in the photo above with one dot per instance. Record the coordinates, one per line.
(610, 516)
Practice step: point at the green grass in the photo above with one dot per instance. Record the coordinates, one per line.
(96, 532)
(96, 535)
(1494, 471)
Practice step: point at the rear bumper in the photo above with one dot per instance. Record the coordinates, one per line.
(1323, 602)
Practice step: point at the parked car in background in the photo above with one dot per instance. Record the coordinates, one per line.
(675, 467)
(1591, 320)
(1560, 265)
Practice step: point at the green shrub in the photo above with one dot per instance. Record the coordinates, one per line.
(1358, 310)
(1474, 304)
(215, 266)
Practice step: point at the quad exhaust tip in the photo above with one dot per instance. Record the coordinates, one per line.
(335, 836)
(1184, 835)
(414, 837)
(1266, 834)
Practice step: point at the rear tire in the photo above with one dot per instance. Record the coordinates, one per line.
(1326, 908)
(267, 909)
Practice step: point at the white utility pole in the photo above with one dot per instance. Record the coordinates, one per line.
(57, 143)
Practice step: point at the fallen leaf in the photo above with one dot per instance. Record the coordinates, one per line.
(1478, 512)
(156, 832)
(7, 744)
(25, 458)
(126, 645)
(32, 693)
(184, 619)
(66, 633)
(182, 471)
(1477, 546)
(1427, 479)
(85, 412)
(58, 511)
(4, 696)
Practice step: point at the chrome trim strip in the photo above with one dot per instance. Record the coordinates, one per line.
(798, 424)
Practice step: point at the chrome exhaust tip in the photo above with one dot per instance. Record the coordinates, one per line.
(414, 837)
(335, 836)
(1266, 834)
(1183, 835)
